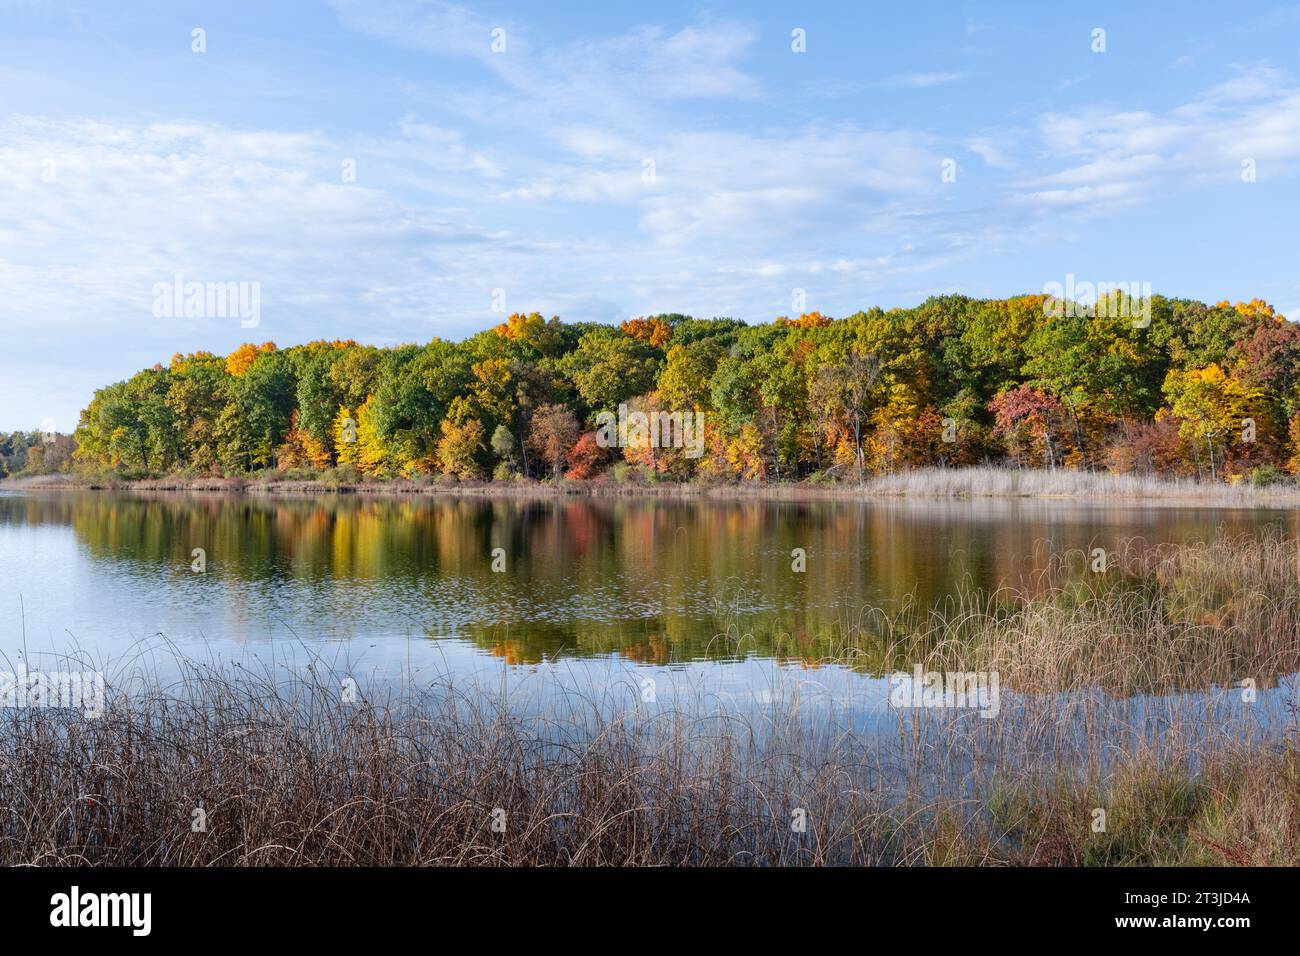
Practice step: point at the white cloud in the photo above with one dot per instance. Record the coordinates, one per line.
(133, 205)
(618, 79)
(993, 154)
(753, 185)
(921, 81)
(1134, 154)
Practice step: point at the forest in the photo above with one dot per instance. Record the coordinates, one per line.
(1198, 390)
(35, 453)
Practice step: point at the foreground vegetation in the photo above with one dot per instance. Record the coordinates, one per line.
(287, 771)
(1168, 387)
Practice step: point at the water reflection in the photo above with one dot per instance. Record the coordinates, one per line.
(648, 581)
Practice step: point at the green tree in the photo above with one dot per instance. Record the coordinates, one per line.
(609, 367)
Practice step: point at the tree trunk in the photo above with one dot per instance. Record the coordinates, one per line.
(857, 442)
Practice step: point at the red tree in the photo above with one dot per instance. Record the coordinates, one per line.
(587, 458)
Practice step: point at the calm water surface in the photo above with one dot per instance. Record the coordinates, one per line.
(694, 590)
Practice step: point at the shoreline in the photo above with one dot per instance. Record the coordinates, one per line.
(933, 483)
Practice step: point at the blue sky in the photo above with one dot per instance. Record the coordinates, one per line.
(127, 158)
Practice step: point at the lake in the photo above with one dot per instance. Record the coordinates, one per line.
(701, 589)
(688, 613)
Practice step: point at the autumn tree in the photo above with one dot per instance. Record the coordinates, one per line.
(846, 391)
(461, 447)
(587, 458)
(1214, 410)
(554, 432)
(1033, 423)
(1211, 389)
(343, 431)
(655, 330)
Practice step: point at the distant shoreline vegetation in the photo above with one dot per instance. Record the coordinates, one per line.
(1201, 392)
(930, 482)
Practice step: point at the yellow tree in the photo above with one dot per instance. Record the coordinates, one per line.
(808, 320)
(491, 390)
(684, 382)
(373, 451)
(344, 431)
(745, 454)
(1293, 435)
(1212, 408)
(1255, 308)
(462, 443)
(905, 433)
(241, 359)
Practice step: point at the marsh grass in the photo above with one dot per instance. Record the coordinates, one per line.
(1121, 692)
(1160, 618)
(1001, 482)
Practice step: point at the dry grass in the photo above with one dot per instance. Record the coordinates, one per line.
(993, 482)
(1161, 618)
(291, 775)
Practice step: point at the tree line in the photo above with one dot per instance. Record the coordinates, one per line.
(35, 453)
(1204, 390)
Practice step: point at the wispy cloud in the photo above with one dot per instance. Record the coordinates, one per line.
(1130, 155)
(920, 81)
